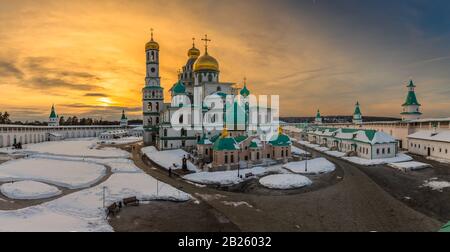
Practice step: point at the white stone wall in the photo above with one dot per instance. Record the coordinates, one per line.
(426, 148)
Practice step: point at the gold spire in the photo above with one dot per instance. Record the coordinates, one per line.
(151, 45)
(206, 43)
(224, 132)
(280, 130)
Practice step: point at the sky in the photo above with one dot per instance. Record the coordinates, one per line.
(87, 57)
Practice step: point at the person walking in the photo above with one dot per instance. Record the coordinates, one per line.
(170, 171)
(184, 167)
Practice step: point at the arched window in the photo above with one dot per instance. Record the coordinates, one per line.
(219, 89)
(200, 77)
(157, 106)
(153, 94)
(181, 119)
(153, 56)
(210, 77)
(149, 106)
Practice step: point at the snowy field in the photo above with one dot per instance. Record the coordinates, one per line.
(29, 190)
(285, 181)
(230, 177)
(69, 174)
(409, 166)
(76, 147)
(314, 166)
(83, 211)
(122, 140)
(167, 158)
(401, 157)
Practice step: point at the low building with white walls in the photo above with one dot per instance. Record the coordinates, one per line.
(433, 144)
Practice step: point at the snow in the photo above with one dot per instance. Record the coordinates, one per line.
(82, 211)
(285, 181)
(409, 166)
(122, 140)
(436, 185)
(120, 165)
(335, 153)
(29, 190)
(237, 203)
(314, 166)
(228, 177)
(443, 136)
(78, 147)
(167, 158)
(401, 157)
(298, 151)
(69, 174)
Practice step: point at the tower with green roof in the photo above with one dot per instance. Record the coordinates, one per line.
(411, 107)
(357, 116)
(318, 119)
(123, 120)
(53, 119)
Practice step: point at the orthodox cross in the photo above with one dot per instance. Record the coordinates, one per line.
(206, 42)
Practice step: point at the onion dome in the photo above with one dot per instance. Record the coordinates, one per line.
(244, 91)
(179, 88)
(151, 45)
(193, 52)
(206, 63)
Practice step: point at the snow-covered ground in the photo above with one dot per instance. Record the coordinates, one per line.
(69, 174)
(83, 210)
(29, 190)
(230, 177)
(296, 150)
(285, 181)
(401, 157)
(122, 140)
(75, 147)
(436, 185)
(167, 158)
(313, 166)
(335, 153)
(409, 166)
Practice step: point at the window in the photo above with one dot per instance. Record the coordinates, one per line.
(389, 150)
(206, 151)
(382, 151)
(257, 155)
(149, 106)
(232, 158)
(226, 159)
(157, 106)
(210, 77)
(219, 89)
(378, 151)
(152, 69)
(268, 155)
(157, 120)
(181, 119)
(246, 158)
(165, 132)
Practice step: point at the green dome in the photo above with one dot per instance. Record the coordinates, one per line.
(179, 88)
(244, 91)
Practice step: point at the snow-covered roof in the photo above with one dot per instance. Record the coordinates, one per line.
(443, 136)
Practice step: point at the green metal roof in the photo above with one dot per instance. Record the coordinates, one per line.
(53, 113)
(370, 134)
(445, 228)
(253, 145)
(179, 88)
(240, 138)
(318, 114)
(214, 138)
(411, 84)
(357, 110)
(123, 115)
(411, 99)
(280, 140)
(225, 144)
(204, 140)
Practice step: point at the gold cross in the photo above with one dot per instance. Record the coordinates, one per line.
(151, 32)
(245, 81)
(206, 42)
(193, 42)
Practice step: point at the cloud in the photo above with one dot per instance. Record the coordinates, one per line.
(8, 69)
(99, 107)
(43, 83)
(96, 95)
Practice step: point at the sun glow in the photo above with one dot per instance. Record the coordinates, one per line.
(105, 101)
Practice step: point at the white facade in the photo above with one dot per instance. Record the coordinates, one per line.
(430, 144)
(11, 134)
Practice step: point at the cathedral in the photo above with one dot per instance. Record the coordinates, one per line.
(198, 79)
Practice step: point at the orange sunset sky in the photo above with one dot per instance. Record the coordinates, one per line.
(87, 57)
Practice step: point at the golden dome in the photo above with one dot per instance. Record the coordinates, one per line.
(206, 63)
(193, 52)
(151, 45)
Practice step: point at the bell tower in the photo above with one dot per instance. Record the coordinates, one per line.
(152, 93)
